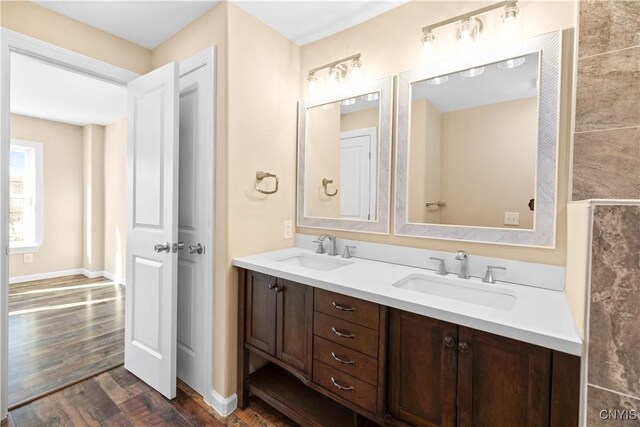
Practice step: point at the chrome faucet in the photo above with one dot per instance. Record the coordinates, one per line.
(332, 250)
(463, 257)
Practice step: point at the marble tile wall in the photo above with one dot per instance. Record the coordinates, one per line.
(613, 374)
(606, 156)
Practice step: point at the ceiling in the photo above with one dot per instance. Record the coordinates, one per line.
(494, 85)
(48, 92)
(148, 23)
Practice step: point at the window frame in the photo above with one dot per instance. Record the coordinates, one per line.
(32, 246)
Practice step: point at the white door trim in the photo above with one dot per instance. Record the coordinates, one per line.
(207, 58)
(11, 41)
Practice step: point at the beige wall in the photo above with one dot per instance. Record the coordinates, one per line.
(488, 157)
(323, 161)
(115, 158)
(93, 204)
(43, 24)
(397, 49)
(61, 247)
(360, 120)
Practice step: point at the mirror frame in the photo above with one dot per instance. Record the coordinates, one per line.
(544, 229)
(381, 224)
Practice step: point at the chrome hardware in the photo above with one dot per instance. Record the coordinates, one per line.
(320, 248)
(442, 267)
(340, 360)
(178, 247)
(342, 307)
(332, 251)
(342, 334)
(463, 257)
(464, 347)
(196, 249)
(449, 341)
(347, 251)
(436, 205)
(275, 288)
(488, 277)
(325, 183)
(341, 387)
(162, 247)
(262, 175)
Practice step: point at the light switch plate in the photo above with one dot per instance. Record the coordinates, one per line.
(512, 218)
(27, 258)
(288, 229)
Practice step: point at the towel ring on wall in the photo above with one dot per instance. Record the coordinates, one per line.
(325, 183)
(262, 175)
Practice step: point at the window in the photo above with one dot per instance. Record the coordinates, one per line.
(25, 196)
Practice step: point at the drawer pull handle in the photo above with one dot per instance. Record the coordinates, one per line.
(341, 387)
(342, 334)
(339, 359)
(343, 308)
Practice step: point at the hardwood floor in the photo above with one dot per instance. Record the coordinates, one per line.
(119, 398)
(61, 331)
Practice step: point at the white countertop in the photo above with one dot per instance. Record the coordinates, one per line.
(539, 316)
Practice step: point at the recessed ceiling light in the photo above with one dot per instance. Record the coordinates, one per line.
(511, 63)
(438, 80)
(472, 72)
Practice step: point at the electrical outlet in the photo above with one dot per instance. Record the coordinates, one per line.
(27, 258)
(288, 229)
(512, 218)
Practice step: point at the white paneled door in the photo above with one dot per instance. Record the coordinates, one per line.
(152, 228)
(193, 261)
(358, 161)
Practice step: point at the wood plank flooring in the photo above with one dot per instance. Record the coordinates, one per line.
(61, 331)
(119, 398)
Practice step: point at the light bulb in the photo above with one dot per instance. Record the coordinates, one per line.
(510, 23)
(312, 85)
(511, 63)
(370, 97)
(348, 101)
(428, 46)
(355, 75)
(467, 33)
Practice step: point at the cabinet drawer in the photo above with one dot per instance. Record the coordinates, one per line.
(346, 360)
(345, 386)
(354, 310)
(346, 333)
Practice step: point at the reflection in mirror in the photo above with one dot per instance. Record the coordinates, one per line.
(472, 146)
(341, 158)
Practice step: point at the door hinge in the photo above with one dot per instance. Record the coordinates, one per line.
(6, 249)
(369, 155)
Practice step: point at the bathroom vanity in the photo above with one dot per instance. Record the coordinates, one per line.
(396, 345)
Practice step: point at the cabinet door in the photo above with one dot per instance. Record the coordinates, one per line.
(422, 370)
(501, 382)
(295, 312)
(261, 312)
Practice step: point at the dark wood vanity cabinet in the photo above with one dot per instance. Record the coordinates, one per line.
(338, 360)
(441, 374)
(278, 319)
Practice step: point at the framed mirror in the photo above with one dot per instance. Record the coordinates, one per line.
(344, 160)
(477, 143)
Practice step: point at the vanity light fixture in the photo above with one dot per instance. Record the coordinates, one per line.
(472, 72)
(511, 63)
(438, 80)
(337, 72)
(470, 26)
(348, 101)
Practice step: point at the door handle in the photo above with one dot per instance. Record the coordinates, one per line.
(196, 249)
(162, 247)
(178, 247)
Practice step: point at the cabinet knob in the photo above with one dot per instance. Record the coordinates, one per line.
(275, 288)
(449, 341)
(464, 347)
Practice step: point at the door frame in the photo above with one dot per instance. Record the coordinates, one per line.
(11, 41)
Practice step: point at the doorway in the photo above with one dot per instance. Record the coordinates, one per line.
(194, 300)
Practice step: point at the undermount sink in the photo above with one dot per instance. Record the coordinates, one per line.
(473, 293)
(319, 263)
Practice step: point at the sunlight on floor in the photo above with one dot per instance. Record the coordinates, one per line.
(61, 306)
(65, 288)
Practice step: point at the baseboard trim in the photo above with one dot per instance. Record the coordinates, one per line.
(62, 273)
(223, 406)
